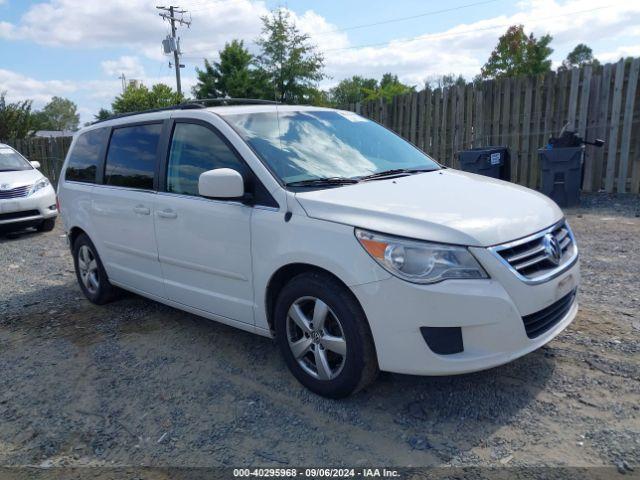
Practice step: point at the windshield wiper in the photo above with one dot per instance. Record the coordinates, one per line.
(396, 171)
(319, 182)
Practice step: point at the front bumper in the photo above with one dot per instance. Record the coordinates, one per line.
(29, 210)
(489, 313)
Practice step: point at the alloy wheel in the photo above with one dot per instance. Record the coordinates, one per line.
(88, 266)
(316, 338)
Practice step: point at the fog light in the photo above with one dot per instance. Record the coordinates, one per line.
(443, 340)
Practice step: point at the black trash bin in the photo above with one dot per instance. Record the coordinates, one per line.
(489, 161)
(561, 174)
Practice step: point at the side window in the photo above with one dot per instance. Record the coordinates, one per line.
(196, 149)
(131, 159)
(84, 158)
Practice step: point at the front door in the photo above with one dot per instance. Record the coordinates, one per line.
(204, 245)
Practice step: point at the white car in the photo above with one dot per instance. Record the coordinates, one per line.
(323, 229)
(27, 198)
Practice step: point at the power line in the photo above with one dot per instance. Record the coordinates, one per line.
(173, 43)
(210, 5)
(463, 32)
(402, 19)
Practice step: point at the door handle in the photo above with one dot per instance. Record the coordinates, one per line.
(167, 213)
(142, 210)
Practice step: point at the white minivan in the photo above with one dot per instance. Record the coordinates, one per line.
(27, 198)
(351, 247)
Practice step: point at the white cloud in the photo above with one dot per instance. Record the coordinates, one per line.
(134, 26)
(618, 53)
(127, 65)
(464, 48)
(90, 96)
(6, 30)
(21, 87)
(322, 33)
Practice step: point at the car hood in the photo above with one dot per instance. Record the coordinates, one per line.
(19, 178)
(446, 206)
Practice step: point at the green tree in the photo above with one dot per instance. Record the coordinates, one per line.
(352, 90)
(518, 54)
(580, 56)
(16, 119)
(444, 81)
(103, 114)
(319, 98)
(138, 97)
(390, 86)
(292, 65)
(235, 75)
(59, 114)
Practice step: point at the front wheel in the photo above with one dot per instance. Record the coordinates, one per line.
(47, 225)
(324, 336)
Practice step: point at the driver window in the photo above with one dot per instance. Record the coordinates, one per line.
(194, 150)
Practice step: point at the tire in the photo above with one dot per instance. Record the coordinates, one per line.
(306, 299)
(93, 280)
(47, 225)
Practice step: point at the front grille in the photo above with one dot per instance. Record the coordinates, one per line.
(537, 323)
(15, 192)
(17, 215)
(529, 258)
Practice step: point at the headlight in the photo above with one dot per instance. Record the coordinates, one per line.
(39, 185)
(420, 262)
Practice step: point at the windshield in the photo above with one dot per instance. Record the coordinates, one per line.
(10, 160)
(319, 144)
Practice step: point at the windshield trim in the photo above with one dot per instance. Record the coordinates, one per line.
(305, 108)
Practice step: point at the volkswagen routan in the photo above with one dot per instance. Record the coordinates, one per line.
(349, 246)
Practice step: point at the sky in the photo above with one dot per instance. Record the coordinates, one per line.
(78, 48)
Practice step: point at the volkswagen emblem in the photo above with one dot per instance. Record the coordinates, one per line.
(551, 248)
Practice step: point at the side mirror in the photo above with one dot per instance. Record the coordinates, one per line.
(599, 142)
(35, 164)
(221, 183)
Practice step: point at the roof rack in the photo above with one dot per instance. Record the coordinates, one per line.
(239, 101)
(180, 106)
(195, 104)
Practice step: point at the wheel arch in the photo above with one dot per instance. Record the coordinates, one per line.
(74, 233)
(284, 274)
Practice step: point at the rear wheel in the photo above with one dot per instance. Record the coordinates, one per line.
(47, 225)
(324, 336)
(90, 273)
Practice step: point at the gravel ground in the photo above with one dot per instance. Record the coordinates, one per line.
(138, 383)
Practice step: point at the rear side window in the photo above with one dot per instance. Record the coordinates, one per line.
(132, 155)
(85, 156)
(196, 149)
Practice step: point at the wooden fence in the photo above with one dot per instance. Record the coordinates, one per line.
(522, 113)
(49, 151)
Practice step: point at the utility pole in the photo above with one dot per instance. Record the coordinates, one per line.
(175, 45)
(123, 79)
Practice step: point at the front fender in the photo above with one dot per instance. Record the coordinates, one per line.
(327, 245)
